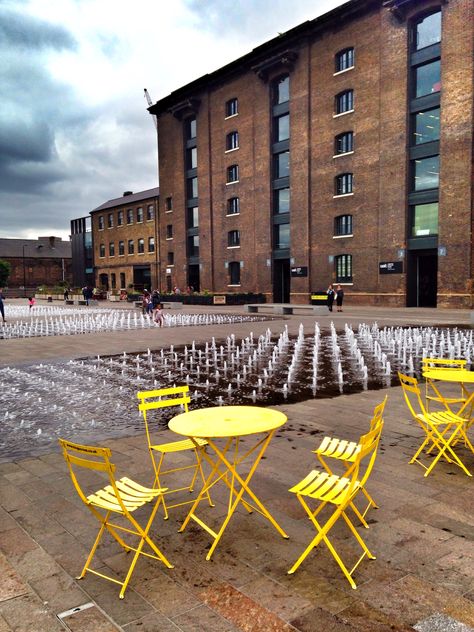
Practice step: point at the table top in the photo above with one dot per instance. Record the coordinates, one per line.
(226, 421)
(449, 375)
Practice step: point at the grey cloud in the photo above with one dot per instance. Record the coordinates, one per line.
(22, 31)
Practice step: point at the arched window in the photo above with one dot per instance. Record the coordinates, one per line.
(343, 225)
(344, 101)
(344, 59)
(344, 184)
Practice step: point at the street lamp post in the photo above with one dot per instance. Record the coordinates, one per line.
(24, 270)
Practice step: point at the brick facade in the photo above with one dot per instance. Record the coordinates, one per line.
(380, 33)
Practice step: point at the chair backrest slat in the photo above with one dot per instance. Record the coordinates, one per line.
(410, 386)
(164, 403)
(161, 398)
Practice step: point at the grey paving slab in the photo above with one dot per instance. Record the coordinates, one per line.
(441, 623)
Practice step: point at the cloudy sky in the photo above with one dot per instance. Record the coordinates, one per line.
(74, 130)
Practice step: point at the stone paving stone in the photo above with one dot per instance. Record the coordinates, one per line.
(441, 623)
(11, 497)
(203, 619)
(11, 584)
(153, 622)
(28, 614)
(6, 521)
(4, 627)
(37, 467)
(15, 543)
(59, 591)
(89, 620)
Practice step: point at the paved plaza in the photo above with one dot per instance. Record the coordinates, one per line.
(422, 534)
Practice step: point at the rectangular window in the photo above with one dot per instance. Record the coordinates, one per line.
(281, 165)
(282, 201)
(428, 78)
(122, 280)
(344, 143)
(120, 218)
(232, 141)
(150, 212)
(111, 249)
(129, 216)
(169, 231)
(428, 31)
(232, 107)
(191, 158)
(281, 90)
(170, 259)
(121, 248)
(424, 220)
(234, 273)
(141, 246)
(192, 188)
(233, 238)
(110, 220)
(101, 222)
(282, 128)
(102, 250)
(113, 281)
(193, 217)
(169, 204)
(131, 247)
(190, 129)
(345, 101)
(232, 173)
(233, 206)
(193, 246)
(345, 59)
(140, 214)
(426, 126)
(344, 184)
(426, 173)
(343, 265)
(343, 225)
(281, 236)
(151, 244)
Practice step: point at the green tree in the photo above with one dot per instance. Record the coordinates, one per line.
(5, 269)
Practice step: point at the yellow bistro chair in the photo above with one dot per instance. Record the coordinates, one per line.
(122, 497)
(347, 452)
(443, 429)
(165, 398)
(432, 392)
(338, 492)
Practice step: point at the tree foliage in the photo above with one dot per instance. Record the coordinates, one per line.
(5, 270)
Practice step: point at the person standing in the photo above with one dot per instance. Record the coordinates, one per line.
(339, 298)
(158, 316)
(66, 294)
(31, 301)
(331, 295)
(2, 308)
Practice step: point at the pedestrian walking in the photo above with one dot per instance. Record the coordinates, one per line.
(66, 294)
(2, 308)
(339, 298)
(158, 316)
(155, 299)
(331, 296)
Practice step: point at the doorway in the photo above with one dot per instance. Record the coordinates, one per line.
(281, 281)
(193, 277)
(422, 278)
(141, 278)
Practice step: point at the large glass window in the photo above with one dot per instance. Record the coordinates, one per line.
(424, 220)
(191, 158)
(282, 164)
(232, 141)
(121, 248)
(281, 90)
(343, 225)
(233, 206)
(232, 107)
(233, 238)
(233, 173)
(282, 201)
(426, 173)
(428, 31)
(282, 128)
(192, 184)
(190, 128)
(234, 273)
(281, 236)
(426, 126)
(344, 59)
(193, 217)
(344, 184)
(343, 265)
(141, 246)
(193, 246)
(428, 78)
(344, 143)
(345, 101)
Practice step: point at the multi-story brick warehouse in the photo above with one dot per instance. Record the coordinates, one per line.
(340, 151)
(125, 241)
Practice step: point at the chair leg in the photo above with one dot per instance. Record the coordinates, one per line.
(103, 526)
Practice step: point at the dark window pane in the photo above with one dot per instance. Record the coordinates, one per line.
(169, 204)
(344, 184)
(129, 216)
(193, 246)
(111, 249)
(102, 250)
(234, 273)
(101, 222)
(231, 107)
(282, 128)
(140, 214)
(122, 280)
(345, 101)
(428, 31)
(345, 143)
(131, 247)
(191, 159)
(426, 127)
(281, 90)
(150, 212)
(110, 220)
(193, 217)
(233, 206)
(151, 244)
(424, 220)
(343, 264)
(345, 59)
(233, 173)
(282, 201)
(121, 248)
(141, 246)
(282, 236)
(190, 127)
(343, 225)
(232, 140)
(428, 78)
(170, 258)
(282, 164)
(192, 184)
(233, 238)
(120, 218)
(426, 173)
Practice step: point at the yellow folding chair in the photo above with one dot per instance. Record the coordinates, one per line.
(165, 398)
(443, 429)
(121, 497)
(340, 493)
(432, 392)
(347, 452)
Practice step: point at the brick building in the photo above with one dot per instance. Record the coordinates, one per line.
(125, 241)
(340, 151)
(35, 262)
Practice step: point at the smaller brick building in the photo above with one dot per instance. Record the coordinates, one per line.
(35, 262)
(125, 241)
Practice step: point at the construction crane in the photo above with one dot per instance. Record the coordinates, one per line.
(150, 103)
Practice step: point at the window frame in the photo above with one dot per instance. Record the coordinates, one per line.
(231, 171)
(100, 222)
(233, 238)
(111, 249)
(139, 214)
(150, 212)
(414, 29)
(140, 246)
(232, 141)
(344, 184)
(343, 99)
(343, 262)
(343, 225)
(121, 248)
(170, 258)
(234, 273)
(344, 60)
(102, 251)
(233, 202)
(130, 217)
(130, 246)
(151, 244)
(169, 231)
(110, 220)
(120, 217)
(229, 107)
(342, 136)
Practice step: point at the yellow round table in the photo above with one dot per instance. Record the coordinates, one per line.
(460, 376)
(230, 424)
